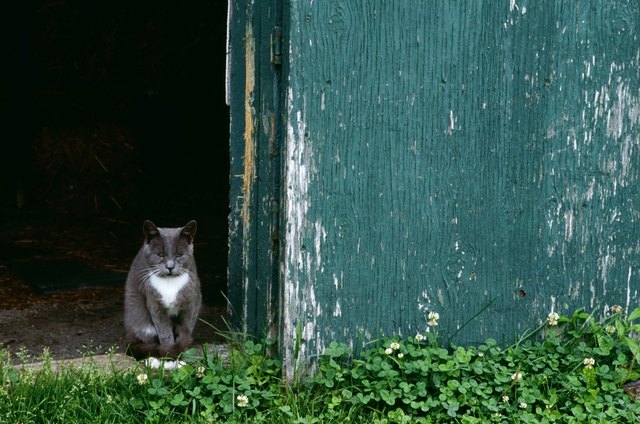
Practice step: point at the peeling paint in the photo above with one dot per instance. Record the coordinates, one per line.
(338, 309)
(626, 107)
(628, 302)
(249, 141)
(452, 123)
(249, 159)
(301, 261)
(320, 236)
(568, 217)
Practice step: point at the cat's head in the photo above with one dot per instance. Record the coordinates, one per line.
(168, 251)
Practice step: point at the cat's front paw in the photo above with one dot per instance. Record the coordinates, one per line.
(155, 363)
(184, 341)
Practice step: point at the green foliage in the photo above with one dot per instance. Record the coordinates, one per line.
(67, 395)
(571, 372)
(571, 369)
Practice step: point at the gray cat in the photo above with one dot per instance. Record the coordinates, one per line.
(162, 293)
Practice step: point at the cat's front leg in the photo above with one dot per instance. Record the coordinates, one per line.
(165, 333)
(162, 322)
(184, 328)
(183, 335)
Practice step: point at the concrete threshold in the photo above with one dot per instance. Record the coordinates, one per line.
(111, 361)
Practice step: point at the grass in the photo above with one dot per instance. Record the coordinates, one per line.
(64, 394)
(570, 369)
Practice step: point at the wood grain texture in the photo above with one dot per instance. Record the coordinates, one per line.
(441, 156)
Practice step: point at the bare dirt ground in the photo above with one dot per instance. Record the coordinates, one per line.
(79, 322)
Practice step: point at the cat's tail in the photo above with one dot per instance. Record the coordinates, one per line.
(140, 350)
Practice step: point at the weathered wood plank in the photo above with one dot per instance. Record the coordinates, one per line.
(253, 257)
(440, 155)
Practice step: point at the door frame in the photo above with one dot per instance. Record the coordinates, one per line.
(254, 98)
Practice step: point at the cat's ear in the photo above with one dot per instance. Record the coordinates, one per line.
(149, 230)
(189, 230)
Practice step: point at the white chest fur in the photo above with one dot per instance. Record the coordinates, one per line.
(168, 288)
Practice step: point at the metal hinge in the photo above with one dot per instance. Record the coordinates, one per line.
(276, 45)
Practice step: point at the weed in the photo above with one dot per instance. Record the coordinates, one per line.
(570, 369)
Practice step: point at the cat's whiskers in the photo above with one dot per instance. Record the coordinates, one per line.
(146, 271)
(146, 274)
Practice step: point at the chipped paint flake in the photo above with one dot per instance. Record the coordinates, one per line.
(337, 312)
(568, 219)
(628, 301)
(452, 123)
(626, 106)
(320, 236)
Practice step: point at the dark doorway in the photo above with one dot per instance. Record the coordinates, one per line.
(112, 113)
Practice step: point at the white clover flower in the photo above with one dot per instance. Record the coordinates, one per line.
(394, 346)
(616, 309)
(552, 319)
(505, 398)
(610, 329)
(142, 379)
(522, 405)
(400, 355)
(388, 351)
(433, 318)
(200, 372)
(589, 363)
(419, 337)
(516, 376)
(243, 401)
(481, 354)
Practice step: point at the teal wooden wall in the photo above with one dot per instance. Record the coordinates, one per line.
(448, 156)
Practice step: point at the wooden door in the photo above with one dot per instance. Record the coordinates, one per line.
(478, 159)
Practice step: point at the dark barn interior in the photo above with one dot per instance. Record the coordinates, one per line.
(112, 113)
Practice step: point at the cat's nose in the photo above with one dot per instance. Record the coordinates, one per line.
(170, 266)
